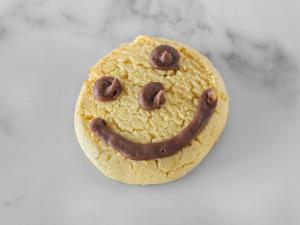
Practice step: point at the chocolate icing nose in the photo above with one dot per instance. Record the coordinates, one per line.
(152, 96)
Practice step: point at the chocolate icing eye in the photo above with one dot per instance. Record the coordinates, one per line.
(107, 89)
(152, 96)
(164, 57)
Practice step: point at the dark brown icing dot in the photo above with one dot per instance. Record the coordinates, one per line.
(107, 89)
(152, 96)
(164, 57)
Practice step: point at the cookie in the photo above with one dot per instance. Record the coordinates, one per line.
(150, 111)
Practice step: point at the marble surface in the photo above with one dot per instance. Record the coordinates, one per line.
(251, 176)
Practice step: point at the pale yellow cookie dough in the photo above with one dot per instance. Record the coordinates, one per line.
(130, 64)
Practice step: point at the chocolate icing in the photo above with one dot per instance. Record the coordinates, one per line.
(107, 89)
(152, 96)
(139, 151)
(164, 57)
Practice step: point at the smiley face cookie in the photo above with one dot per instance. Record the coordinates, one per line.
(150, 111)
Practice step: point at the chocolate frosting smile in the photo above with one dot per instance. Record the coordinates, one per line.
(139, 151)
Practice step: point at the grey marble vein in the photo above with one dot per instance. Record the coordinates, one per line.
(5, 127)
(2, 32)
(160, 16)
(15, 200)
(264, 64)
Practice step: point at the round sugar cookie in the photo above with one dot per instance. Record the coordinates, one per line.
(150, 111)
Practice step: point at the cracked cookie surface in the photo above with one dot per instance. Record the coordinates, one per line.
(130, 64)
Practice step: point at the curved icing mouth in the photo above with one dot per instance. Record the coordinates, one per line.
(207, 103)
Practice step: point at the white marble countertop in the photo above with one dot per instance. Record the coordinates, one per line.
(250, 177)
